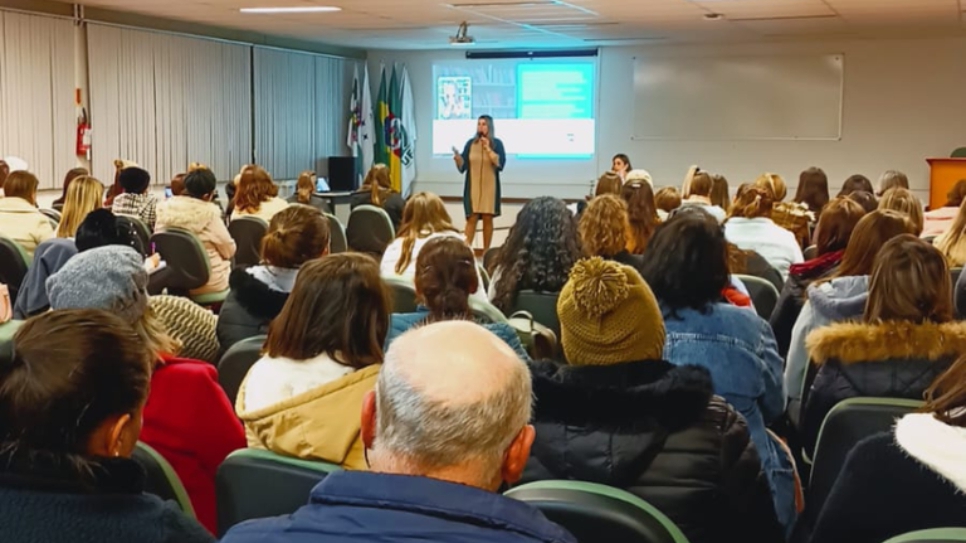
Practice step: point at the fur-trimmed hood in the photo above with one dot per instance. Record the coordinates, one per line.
(850, 343)
(187, 212)
(936, 445)
(256, 297)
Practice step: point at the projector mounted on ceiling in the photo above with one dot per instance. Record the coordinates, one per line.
(462, 37)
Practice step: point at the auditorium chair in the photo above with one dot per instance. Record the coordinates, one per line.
(848, 423)
(255, 483)
(185, 256)
(763, 294)
(53, 216)
(247, 233)
(934, 535)
(594, 512)
(161, 479)
(13, 266)
(369, 230)
(235, 363)
(337, 239)
(403, 293)
(140, 229)
(542, 305)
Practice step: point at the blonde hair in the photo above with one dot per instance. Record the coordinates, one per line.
(378, 184)
(85, 194)
(423, 216)
(604, 226)
(904, 201)
(154, 335)
(773, 183)
(752, 202)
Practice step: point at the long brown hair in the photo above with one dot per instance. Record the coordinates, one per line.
(719, 192)
(904, 201)
(603, 226)
(954, 236)
(445, 278)
(956, 195)
(378, 184)
(339, 306)
(752, 202)
(608, 183)
(424, 215)
(641, 213)
(870, 234)
(305, 187)
(295, 235)
(946, 397)
(22, 184)
(254, 187)
(813, 189)
(910, 282)
(667, 199)
(701, 185)
(836, 224)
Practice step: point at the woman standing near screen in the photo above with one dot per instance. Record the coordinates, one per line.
(482, 160)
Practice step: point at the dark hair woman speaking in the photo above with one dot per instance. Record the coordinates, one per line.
(482, 161)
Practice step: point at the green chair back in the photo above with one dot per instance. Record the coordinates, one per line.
(255, 483)
(403, 293)
(486, 312)
(542, 305)
(14, 261)
(235, 363)
(140, 228)
(934, 535)
(161, 480)
(337, 240)
(594, 512)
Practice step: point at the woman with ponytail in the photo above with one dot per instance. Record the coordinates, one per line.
(295, 236)
(445, 277)
(750, 227)
(377, 191)
(305, 193)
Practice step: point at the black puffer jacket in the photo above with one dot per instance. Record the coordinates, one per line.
(894, 359)
(655, 430)
(250, 307)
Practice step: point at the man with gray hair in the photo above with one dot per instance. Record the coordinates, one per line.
(445, 428)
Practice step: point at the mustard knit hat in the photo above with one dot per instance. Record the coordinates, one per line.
(608, 315)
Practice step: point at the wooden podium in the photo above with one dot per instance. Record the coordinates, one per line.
(943, 174)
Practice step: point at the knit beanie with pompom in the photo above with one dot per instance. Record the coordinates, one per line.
(608, 315)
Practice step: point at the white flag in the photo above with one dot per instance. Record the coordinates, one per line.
(352, 138)
(359, 138)
(408, 134)
(368, 125)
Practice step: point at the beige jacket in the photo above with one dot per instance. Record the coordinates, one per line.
(203, 219)
(266, 211)
(321, 424)
(23, 223)
(955, 254)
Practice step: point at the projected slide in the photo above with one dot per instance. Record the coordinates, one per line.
(541, 109)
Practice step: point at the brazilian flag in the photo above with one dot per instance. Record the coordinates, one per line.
(394, 134)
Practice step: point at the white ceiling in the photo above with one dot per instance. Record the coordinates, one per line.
(427, 24)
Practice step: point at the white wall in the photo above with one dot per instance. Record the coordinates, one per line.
(903, 102)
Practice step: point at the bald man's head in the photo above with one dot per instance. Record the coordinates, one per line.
(450, 394)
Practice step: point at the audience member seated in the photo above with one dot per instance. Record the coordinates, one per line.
(751, 228)
(115, 189)
(904, 201)
(446, 276)
(305, 193)
(424, 218)
(841, 296)
(938, 221)
(686, 264)
(865, 199)
(642, 213)
(831, 237)
(73, 174)
(84, 195)
(608, 183)
(856, 183)
(177, 184)
(4, 173)
(667, 200)
(892, 179)
(812, 192)
(322, 355)
(699, 194)
(720, 193)
(257, 195)
(952, 243)
(538, 253)
(194, 212)
(619, 415)
(604, 228)
(187, 418)
(70, 417)
(789, 215)
(377, 191)
(136, 200)
(295, 236)
(190, 325)
(445, 429)
(905, 480)
(20, 220)
(906, 338)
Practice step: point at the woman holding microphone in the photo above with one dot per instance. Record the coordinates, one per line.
(482, 160)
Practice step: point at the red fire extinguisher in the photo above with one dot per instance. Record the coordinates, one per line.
(83, 135)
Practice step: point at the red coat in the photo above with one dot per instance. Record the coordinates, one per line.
(191, 423)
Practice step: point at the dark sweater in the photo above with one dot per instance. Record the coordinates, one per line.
(250, 307)
(792, 298)
(44, 501)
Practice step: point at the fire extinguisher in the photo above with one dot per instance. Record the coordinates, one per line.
(83, 135)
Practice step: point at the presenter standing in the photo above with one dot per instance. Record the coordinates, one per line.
(482, 160)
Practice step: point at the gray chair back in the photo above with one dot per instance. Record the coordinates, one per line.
(337, 238)
(763, 294)
(140, 228)
(235, 363)
(247, 233)
(369, 230)
(185, 257)
(403, 294)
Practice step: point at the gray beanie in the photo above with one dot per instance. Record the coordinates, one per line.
(110, 278)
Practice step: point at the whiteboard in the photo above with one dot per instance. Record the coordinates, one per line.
(739, 98)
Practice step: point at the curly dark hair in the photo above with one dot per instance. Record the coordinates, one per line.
(540, 250)
(686, 262)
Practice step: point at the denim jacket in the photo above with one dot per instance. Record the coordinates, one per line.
(739, 349)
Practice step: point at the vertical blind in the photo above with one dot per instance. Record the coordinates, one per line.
(301, 103)
(37, 115)
(164, 101)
